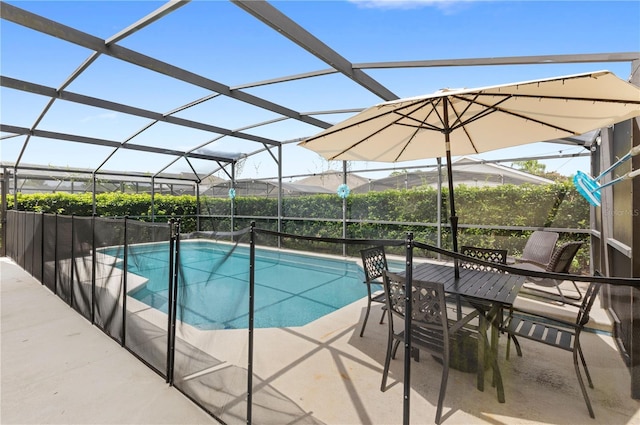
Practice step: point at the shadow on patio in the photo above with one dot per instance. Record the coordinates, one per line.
(322, 373)
(334, 376)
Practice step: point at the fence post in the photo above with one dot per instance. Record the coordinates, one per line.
(407, 328)
(173, 292)
(124, 283)
(73, 261)
(252, 270)
(93, 268)
(42, 249)
(3, 211)
(55, 257)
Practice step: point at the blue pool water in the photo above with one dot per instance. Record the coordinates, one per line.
(291, 289)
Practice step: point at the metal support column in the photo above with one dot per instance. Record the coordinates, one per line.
(197, 206)
(93, 194)
(153, 195)
(233, 198)
(279, 193)
(344, 208)
(439, 205)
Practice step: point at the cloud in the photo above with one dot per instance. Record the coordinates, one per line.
(444, 5)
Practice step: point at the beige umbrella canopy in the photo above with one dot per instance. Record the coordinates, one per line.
(479, 120)
(469, 121)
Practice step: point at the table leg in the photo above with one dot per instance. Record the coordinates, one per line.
(496, 323)
(482, 329)
(493, 353)
(497, 377)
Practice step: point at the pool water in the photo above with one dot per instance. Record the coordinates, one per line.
(291, 289)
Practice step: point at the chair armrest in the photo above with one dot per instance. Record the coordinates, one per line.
(535, 263)
(514, 261)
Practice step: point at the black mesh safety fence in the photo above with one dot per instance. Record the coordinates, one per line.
(64, 257)
(209, 364)
(49, 229)
(243, 323)
(82, 282)
(223, 316)
(205, 309)
(109, 238)
(295, 286)
(148, 266)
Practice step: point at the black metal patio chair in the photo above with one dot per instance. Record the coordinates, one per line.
(490, 255)
(374, 262)
(557, 333)
(431, 329)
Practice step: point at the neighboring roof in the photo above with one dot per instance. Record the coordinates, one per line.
(262, 188)
(466, 170)
(332, 179)
(470, 167)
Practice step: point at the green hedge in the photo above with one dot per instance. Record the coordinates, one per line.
(557, 205)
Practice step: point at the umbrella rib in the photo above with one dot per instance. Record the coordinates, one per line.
(421, 124)
(394, 122)
(459, 123)
(337, 130)
(419, 127)
(490, 109)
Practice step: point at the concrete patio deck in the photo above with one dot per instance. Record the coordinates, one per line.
(58, 368)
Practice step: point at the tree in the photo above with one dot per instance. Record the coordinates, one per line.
(532, 166)
(536, 168)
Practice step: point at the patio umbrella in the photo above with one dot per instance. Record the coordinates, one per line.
(470, 121)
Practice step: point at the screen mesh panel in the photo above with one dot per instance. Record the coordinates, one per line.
(109, 276)
(148, 278)
(28, 241)
(49, 251)
(20, 238)
(38, 223)
(64, 256)
(83, 265)
(212, 308)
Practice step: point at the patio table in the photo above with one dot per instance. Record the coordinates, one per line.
(488, 292)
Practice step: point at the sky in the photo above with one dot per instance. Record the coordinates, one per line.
(220, 41)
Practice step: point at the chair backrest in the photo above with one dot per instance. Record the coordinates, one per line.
(374, 262)
(489, 255)
(562, 257)
(587, 302)
(540, 246)
(428, 311)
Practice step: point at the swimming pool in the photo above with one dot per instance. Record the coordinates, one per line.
(291, 289)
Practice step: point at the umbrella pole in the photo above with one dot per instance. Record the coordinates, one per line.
(452, 205)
